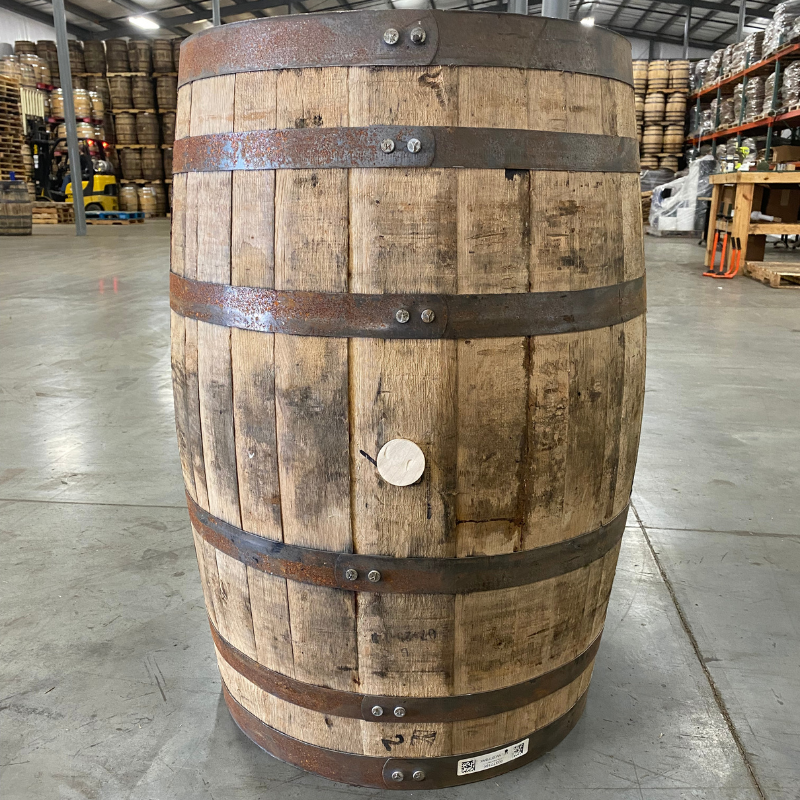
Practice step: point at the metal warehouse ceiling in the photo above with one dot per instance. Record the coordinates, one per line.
(713, 22)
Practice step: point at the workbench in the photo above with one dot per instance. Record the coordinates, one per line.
(735, 191)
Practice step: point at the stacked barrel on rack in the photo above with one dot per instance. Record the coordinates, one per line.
(137, 80)
(143, 83)
(661, 88)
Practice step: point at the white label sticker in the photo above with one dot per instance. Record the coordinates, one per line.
(466, 766)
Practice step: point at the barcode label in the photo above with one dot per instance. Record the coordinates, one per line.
(466, 766)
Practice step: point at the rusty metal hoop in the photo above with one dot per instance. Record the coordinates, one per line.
(451, 38)
(454, 708)
(455, 316)
(406, 575)
(411, 146)
(359, 770)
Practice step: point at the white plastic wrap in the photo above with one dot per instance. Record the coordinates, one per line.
(769, 88)
(698, 74)
(754, 97)
(779, 29)
(714, 67)
(674, 205)
(790, 86)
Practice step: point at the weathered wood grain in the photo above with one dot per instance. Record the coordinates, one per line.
(527, 441)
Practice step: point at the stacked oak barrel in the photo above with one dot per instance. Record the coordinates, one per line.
(661, 89)
(143, 84)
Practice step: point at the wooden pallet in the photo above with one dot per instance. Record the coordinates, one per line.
(113, 221)
(673, 234)
(776, 274)
(53, 213)
(114, 217)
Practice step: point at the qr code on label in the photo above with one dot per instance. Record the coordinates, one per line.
(468, 766)
(518, 750)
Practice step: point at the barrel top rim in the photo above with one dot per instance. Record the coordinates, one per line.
(288, 19)
(352, 38)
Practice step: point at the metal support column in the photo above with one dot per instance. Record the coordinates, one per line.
(215, 17)
(555, 9)
(76, 174)
(740, 25)
(686, 25)
(517, 6)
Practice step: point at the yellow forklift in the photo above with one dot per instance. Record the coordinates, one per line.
(54, 181)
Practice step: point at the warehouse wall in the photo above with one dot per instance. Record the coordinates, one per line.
(14, 26)
(641, 48)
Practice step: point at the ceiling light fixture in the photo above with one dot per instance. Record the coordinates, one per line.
(588, 22)
(144, 23)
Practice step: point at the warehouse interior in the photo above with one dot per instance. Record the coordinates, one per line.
(111, 684)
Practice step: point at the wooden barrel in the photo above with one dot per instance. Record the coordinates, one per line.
(649, 162)
(125, 128)
(119, 87)
(654, 107)
(147, 129)
(83, 103)
(85, 130)
(162, 55)
(675, 108)
(131, 163)
(167, 151)
(152, 164)
(15, 209)
(640, 76)
(9, 68)
(76, 60)
(24, 46)
(679, 76)
(639, 106)
(657, 76)
(147, 200)
(668, 162)
(117, 55)
(44, 47)
(167, 92)
(128, 197)
(673, 139)
(652, 139)
(94, 56)
(400, 470)
(99, 85)
(27, 76)
(168, 128)
(142, 93)
(79, 82)
(139, 55)
(98, 107)
(161, 199)
(176, 53)
(41, 71)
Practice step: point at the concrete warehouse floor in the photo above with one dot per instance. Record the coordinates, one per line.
(109, 689)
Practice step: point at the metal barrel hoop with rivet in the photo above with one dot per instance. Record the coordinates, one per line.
(407, 304)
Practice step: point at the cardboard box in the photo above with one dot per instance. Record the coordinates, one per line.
(785, 152)
(777, 201)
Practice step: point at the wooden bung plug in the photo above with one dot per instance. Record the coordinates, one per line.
(401, 462)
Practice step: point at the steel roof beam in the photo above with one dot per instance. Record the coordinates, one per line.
(42, 16)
